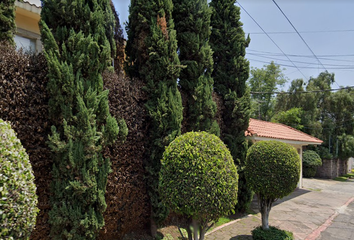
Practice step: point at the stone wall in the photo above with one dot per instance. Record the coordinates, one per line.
(332, 168)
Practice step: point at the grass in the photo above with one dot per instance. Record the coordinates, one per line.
(341, 179)
(222, 221)
(349, 175)
(345, 177)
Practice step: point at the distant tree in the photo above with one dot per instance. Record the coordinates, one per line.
(338, 127)
(231, 71)
(294, 99)
(346, 146)
(316, 116)
(198, 179)
(307, 102)
(152, 56)
(319, 99)
(7, 21)
(273, 171)
(192, 19)
(78, 45)
(267, 80)
(325, 114)
(291, 117)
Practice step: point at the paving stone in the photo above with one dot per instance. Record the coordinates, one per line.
(302, 213)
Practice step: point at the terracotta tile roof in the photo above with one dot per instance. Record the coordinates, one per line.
(265, 129)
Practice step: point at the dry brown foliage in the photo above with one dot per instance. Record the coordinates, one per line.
(23, 102)
(162, 23)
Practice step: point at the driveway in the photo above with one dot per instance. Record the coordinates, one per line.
(318, 211)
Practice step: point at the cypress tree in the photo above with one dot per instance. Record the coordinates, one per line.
(7, 21)
(192, 19)
(78, 42)
(152, 55)
(231, 71)
(119, 41)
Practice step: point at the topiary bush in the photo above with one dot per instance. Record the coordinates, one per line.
(272, 233)
(310, 161)
(272, 171)
(198, 179)
(18, 199)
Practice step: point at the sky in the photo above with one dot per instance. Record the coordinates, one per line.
(304, 37)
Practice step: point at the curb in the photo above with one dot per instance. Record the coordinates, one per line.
(232, 222)
(315, 234)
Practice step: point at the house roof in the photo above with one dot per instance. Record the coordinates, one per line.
(263, 129)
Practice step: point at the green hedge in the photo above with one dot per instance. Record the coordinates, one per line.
(310, 161)
(311, 158)
(272, 233)
(18, 199)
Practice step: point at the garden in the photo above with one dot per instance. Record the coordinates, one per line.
(94, 151)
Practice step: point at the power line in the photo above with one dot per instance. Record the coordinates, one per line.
(301, 92)
(271, 39)
(308, 63)
(319, 31)
(348, 67)
(298, 33)
(300, 36)
(298, 55)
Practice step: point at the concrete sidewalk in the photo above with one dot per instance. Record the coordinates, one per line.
(307, 212)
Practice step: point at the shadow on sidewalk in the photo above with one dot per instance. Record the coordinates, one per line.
(242, 237)
(297, 192)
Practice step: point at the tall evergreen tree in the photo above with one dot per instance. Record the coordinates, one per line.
(7, 21)
(152, 55)
(78, 42)
(192, 19)
(119, 41)
(231, 71)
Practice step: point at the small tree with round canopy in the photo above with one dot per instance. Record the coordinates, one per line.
(272, 171)
(198, 179)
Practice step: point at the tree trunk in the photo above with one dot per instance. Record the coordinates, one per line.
(265, 206)
(202, 233)
(265, 218)
(190, 235)
(195, 229)
(153, 227)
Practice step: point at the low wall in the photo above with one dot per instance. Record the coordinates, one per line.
(332, 168)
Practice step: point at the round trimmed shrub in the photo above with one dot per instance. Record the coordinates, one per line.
(198, 178)
(272, 171)
(310, 161)
(18, 199)
(272, 168)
